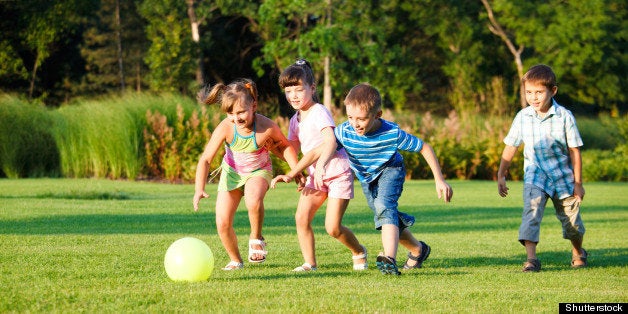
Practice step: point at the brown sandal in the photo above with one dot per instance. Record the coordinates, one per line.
(531, 265)
(582, 258)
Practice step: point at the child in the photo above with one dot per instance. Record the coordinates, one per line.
(552, 165)
(246, 167)
(312, 126)
(373, 145)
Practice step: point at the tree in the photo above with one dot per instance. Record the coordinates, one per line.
(171, 57)
(580, 40)
(497, 29)
(114, 44)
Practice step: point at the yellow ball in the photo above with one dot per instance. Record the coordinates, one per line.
(189, 259)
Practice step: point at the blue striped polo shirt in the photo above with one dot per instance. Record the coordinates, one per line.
(370, 153)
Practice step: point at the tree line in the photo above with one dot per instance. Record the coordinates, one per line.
(423, 55)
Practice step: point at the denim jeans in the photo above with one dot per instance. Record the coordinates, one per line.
(383, 194)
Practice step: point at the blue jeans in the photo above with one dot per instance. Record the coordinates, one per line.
(383, 195)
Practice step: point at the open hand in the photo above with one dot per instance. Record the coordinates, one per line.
(444, 191)
(197, 198)
(502, 189)
(281, 177)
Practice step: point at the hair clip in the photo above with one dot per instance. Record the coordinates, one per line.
(247, 85)
(300, 62)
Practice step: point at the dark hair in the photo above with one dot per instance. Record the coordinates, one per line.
(243, 90)
(364, 96)
(541, 74)
(298, 73)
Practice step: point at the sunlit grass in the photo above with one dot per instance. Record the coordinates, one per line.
(98, 246)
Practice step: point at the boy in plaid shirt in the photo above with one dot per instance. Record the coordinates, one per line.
(552, 165)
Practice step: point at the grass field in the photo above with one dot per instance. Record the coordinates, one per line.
(97, 246)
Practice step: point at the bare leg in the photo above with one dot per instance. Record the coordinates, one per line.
(254, 192)
(530, 249)
(226, 205)
(577, 251)
(336, 209)
(411, 243)
(390, 239)
(309, 202)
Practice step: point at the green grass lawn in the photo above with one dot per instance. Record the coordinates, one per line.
(98, 246)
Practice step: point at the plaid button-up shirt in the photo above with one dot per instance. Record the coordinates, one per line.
(547, 163)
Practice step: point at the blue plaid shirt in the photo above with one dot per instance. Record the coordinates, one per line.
(547, 140)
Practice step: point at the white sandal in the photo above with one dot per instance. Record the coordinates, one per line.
(253, 251)
(305, 267)
(364, 256)
(233, 266)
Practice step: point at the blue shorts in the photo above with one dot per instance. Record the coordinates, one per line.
(383, 195)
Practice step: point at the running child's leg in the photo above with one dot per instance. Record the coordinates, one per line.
(226, 205)
(254, 193)
(309, 202)
(336, 209)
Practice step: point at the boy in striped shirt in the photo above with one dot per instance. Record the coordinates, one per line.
(372, 145)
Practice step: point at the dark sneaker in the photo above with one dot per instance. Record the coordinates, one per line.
(387, 265)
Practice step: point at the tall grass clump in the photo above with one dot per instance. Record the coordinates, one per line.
(172, 151)
(104, 138)
(27, 148)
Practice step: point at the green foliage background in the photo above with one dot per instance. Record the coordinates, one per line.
(423, 55)
(161, 138)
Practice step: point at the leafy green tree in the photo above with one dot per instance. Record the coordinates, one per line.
(113, 48)
(581, 40)
(170, 57)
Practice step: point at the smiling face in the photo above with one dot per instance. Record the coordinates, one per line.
(539, 96)
(300, 97)
(363, 121)
(242, 114)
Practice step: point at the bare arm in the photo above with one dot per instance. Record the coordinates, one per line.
(443, 189)
(328, 150)
(202, 168)
(576, 163)
(305, 162)
(507, 155)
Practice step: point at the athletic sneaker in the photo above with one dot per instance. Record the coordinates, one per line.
(387, 265)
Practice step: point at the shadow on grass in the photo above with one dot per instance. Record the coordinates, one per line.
(551, 261)
(276, 222)
(110, 224)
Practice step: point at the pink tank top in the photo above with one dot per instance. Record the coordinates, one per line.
(243, 154)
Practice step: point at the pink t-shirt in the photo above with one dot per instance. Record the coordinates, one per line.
(308, 132)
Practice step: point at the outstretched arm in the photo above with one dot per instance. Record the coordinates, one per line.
(202, 168)
(507, 155)
(305, 162)
(443, 189)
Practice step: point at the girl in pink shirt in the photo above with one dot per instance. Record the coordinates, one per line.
(313, 126)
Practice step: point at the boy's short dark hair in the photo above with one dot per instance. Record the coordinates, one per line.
(541, 74)
(364, 96)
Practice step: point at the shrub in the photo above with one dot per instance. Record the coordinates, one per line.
(172, 152)
(27, 147)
